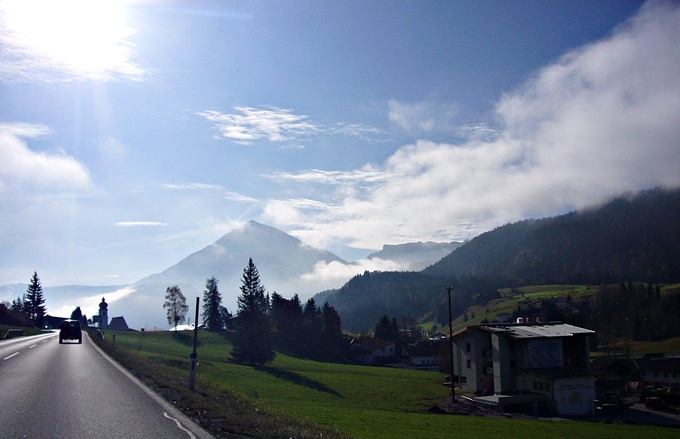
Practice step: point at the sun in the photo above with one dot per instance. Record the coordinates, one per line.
(78, 38)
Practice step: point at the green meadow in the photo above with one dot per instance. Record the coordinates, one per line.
(316, 399)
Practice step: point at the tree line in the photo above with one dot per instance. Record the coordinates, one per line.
(32, 303)
(629, 310)
(263, 323)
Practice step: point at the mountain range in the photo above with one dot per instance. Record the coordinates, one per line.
(633, 237)
(286, 265)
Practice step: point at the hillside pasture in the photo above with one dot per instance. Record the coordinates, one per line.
(341, 399)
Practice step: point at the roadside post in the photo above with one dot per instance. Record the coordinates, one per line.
(453, 392)
(194, 355)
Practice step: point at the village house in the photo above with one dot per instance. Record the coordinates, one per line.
(535, 368)
(374, 351)
(424, 354)
(659, 370)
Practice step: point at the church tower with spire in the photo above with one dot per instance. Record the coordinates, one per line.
(103, 315)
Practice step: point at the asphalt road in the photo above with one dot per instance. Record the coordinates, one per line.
(71, 390)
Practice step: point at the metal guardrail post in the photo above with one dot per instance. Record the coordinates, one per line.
(11, 333)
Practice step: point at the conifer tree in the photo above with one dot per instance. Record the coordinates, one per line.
(77, 314)
(387, 329)
(332, 327)
(252, 344)
(212, 305)
(34, 301)
(17, 305)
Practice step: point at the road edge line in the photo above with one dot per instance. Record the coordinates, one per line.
(178, 415)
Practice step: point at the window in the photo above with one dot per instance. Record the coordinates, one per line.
(468, 363)
(541, 386)
(467, 347)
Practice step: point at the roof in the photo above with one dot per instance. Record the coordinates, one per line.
(532, 330)
(372, 345)
(613, 363)
(118, 324)
(424, 348)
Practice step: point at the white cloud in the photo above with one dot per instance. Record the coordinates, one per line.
(249, 124)
(228, 195)
(194, 186)
(363, 132)
(367, 174)
(139, 224)
(334, 274)
(112, 149)
(602, 120)
(89, 305)
(22, 167)
(423, 118)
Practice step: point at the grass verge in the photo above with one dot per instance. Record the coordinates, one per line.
(300, 398)
(220, 410)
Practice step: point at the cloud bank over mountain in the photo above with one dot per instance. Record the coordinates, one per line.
(600, 120)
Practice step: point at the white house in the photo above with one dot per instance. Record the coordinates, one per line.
(425, 354)
(374, 351)
(659, 371)
(536, 368)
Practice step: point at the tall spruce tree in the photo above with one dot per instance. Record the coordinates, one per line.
(387, 329)
(212, 305)
(34, 301)
(252, 344)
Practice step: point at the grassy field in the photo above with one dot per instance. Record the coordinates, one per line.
(300, 398)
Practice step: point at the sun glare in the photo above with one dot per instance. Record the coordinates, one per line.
(81, 38)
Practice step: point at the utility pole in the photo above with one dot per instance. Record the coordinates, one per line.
(194, 355)
(453, 392)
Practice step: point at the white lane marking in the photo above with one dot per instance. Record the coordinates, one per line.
(14, 354)
(179, 425)
(32, 346)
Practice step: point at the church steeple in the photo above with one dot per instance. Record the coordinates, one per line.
(103, 315)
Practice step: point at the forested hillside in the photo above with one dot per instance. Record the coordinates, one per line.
(367, 297)
(630, 239)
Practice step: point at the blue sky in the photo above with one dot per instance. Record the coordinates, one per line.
(135, 133)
